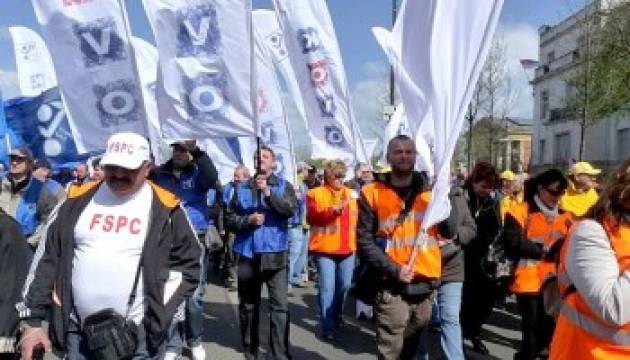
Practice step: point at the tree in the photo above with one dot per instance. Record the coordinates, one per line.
(602, 77)
(493, 98)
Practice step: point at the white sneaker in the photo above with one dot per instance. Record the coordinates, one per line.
(198, 353)
(170, 356)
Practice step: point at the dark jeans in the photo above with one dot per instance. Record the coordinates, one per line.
(536, 325)
(250, 280)
(229, 259)
(478, 298)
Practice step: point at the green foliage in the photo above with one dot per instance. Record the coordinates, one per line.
(606, 88)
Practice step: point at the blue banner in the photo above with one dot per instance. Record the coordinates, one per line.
(41, 123)
(4, 151)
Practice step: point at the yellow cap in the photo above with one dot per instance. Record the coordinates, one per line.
(584, 168)
(508, 175)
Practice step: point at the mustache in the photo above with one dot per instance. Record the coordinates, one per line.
(119, 180)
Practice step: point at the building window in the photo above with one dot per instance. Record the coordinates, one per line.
(623, 144)
(562, 148)
(551, 57)
(544, 104)
(542, 148)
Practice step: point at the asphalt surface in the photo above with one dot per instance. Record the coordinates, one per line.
(357, 341)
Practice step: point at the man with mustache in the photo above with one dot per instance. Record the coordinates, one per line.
(118, 249)
(190, 174)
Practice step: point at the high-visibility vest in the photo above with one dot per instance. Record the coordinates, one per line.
(531, 273)
(335, 235)
(580, 333)
(508, 202)
(401, 234)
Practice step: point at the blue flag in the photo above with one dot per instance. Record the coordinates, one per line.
(4, 151)
(41, 123)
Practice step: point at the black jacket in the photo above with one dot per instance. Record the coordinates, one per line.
(170, 245)
(14, 257)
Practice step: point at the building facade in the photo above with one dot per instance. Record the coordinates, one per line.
(557, 132)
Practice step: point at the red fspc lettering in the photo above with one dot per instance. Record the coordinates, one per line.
(134, 226)
(95, 220)
(122, 222)
(109, 223)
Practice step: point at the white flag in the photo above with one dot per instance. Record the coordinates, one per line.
(225, 156)
(439, 48)
(267, 27)
(147, 62)
(399, 125)
(36, 73)
(272, 120)
(314, 53)
(95, 67)
(207, 84)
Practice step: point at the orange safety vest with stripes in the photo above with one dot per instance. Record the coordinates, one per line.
(580, 334)
(329, 233)
(530, 274)
(401, 234)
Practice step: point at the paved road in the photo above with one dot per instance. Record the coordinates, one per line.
(357, 341)
(222, 336)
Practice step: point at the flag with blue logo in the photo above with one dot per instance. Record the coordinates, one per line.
(206, 77)
(95, 67)
(41, 123)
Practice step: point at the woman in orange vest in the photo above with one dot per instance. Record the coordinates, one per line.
(534, 231)
(332, 213)
(594, 279)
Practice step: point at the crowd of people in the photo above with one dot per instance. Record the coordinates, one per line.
(117, 260)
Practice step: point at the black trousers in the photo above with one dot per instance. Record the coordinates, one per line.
(536, 325)
(478, 298)
(250, 280)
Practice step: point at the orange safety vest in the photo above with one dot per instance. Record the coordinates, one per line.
(580, 334)
(331, 237)
(531, 273)
(401, 236)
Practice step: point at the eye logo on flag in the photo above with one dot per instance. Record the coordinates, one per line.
(199, 33)
(99, 42)
(206, 100)
(118, 102)
(334, 136)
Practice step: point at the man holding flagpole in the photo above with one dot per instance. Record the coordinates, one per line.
(390, 218)
(258, 213)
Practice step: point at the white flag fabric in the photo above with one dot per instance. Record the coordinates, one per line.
(268, 29)
(314, 54)
(207, 81)
(147, 62)
(272, 120)
(94, 64)
(399, 125)
(225, 156)
(36, 72)
(439, 48)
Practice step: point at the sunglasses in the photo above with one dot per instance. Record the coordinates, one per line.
(17, 159)
(555, 192)
(339, 176)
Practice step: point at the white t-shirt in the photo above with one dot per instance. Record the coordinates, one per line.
(109, 237)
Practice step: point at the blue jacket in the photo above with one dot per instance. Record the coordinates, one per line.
(299, 218)
(191, 187)
(33, 205)
(271, 237)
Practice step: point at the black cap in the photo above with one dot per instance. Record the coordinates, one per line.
(41, 163)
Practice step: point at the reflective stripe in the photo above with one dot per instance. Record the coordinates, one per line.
(538, 239)
(391, 221)
(612, 335)
(528, 262)
(408, 241)
(324, 230)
